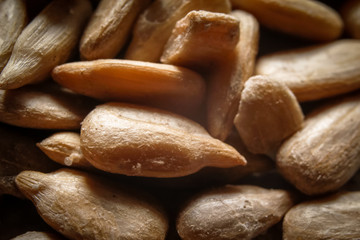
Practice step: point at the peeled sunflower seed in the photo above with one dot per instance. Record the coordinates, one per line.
(143, 141)
(227, 79)
(267, 115)
(325, 153)
(255, 164)
(174, 88)
(45, 106)
(208, 176)
(47, 41)
(232, 212)
(351, 14)
(64, 148)
(248, 45)
(154, 25)
(115, 19)
(333, 217)
(316, 72)
(304, 18)
(83, 206)
(201, 39)
(13, 19)
(31, 235)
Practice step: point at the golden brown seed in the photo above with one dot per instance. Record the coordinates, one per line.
(154, 25)
(46, 42)
(31, 235)
(201, 39)
(232, 212)
(109, 28)
(332, 217)
(174, 88)
(351, 14)
(304, 18)
(43, 106)
(64, 148)
(255, 164)
(13, 19)
(142, 141)
(227, 79)
(325, 153)
(316, 72)
(208, 176)
(268, 113)
(83, 206)
(249, 42)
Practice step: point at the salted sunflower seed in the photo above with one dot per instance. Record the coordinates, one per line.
(142, 141)
(161, 85)
(333, 217)
(308, 19)
(45, 106)
(47, 41)
(325, 153)
(83, 206)
(116, 19)
(232, 212)
(316, 72)
(13, 18)
(154, 25)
